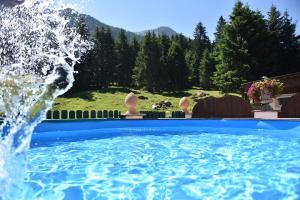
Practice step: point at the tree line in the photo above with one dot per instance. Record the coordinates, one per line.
(246, 47)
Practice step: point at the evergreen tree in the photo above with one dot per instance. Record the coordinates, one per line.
(219, 30)
(257, 39)
(183, 41)
(289, 46)
(82, 28)
(200, 43)
(104, 58)
(135, 48)
(233, 60)
(83, 68)
(190, 60)
(178, 70)
(165, 43)
(275, 24)
(124, 65)
(207, 68)
(284, 47)
(217, 48)
(147, 71)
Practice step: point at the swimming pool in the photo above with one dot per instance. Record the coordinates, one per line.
(167, 159)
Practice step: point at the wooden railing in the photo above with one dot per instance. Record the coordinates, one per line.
(106, 114)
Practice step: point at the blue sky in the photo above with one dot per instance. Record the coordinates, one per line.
(181, 15)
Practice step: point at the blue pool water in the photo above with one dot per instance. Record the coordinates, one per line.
(170, 159)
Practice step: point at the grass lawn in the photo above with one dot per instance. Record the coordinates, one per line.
(113, 99)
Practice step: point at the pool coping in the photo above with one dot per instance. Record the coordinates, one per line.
(167, 119)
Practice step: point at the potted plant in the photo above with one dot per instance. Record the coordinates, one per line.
(266, 92)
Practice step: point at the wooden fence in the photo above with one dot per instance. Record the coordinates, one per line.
(228, 106)
(291, 107)
(79, 114)
(105, 114)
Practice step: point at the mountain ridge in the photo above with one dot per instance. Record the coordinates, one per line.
(92, 24)
(161, 30)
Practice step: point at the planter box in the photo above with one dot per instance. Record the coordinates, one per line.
(134, 116)
(258, 114)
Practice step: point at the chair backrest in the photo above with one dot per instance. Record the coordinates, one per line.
(110, 114)
(49, 114)
(64, 114)
(72, 114)
(228, 106)
(78, 114)
(105, 114)
(99, 114)
(116, 114)
(178, 114)
(86, 114)
(153, 114)
(291, 107)
(93, 114)
(56, 114)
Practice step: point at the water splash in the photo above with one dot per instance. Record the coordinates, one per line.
(38, 49)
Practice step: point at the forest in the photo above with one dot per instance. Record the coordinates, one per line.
(246, 47)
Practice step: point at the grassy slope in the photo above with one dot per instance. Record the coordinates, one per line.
(113, 99)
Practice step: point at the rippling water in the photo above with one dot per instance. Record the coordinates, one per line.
(250, 164)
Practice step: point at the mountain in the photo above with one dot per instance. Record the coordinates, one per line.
(93, 23)
(163, 30)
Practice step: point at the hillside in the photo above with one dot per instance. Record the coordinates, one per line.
(113, 99)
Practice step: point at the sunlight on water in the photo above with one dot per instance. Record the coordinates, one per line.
(38, 49)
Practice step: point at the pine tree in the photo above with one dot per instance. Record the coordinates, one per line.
(289, 46)
(147, 71)
(103, 58)
(178, 70)
(124, 65)
(82, 76)
(274, 23)
(82, 28)
(283, 43)
(206, 70)
(135, 48)
(165, 43)
(257, 39)
(200, 43)
(219, 30)
(233, 60)
(183, 41)
(190, 60)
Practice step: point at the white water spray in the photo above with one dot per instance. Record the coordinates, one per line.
(38, 49)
